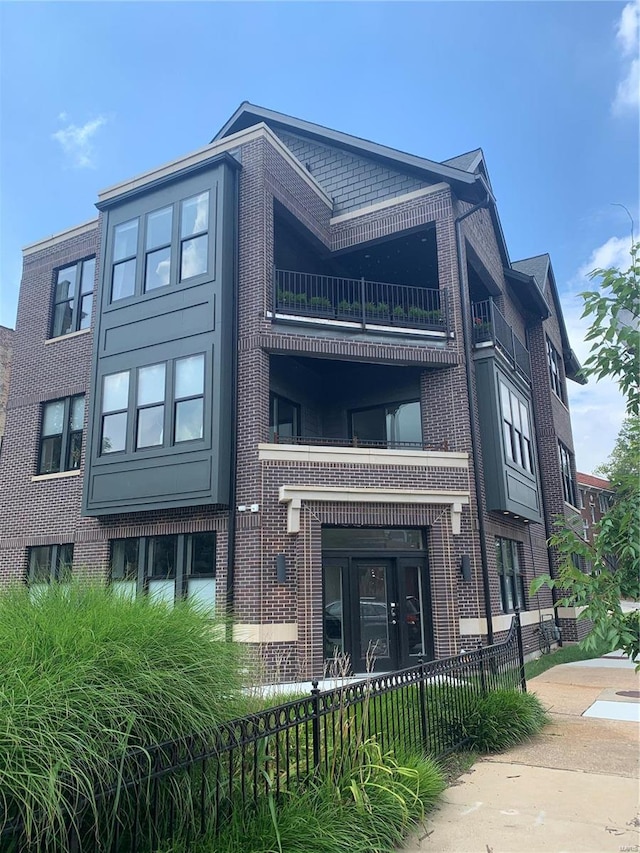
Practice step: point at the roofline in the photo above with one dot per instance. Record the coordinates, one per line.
(347, 140)
(60, 237)
(538, 295)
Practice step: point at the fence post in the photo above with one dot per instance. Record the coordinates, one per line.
(315, 725)
(523, 680)
(362, 295)
(483, 679)
(423, 710)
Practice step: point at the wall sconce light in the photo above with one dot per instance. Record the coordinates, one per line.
(281, 568)
(465, 567)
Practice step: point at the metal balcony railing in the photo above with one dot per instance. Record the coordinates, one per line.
(321, 441)
(357, 300)
(489, 324)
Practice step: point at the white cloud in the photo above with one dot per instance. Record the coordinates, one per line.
(627, 97)
(598, 408)
(77, 141)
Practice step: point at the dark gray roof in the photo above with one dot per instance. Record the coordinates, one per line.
(464, 161)
(537, 266)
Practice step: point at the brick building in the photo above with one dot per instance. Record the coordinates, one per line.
(298, 372)
(6, 353)
(596, 495)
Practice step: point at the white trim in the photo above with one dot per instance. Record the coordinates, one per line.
(67, 337)
(347, 324)
(201, 155)
(362, 455)
(39, 478)
(570, 612)
(501, 622)
(268, 632)
(389, 202)
(60, 237)
(294, 495)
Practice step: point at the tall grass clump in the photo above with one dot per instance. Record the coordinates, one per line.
(87, 674)
(502, 719)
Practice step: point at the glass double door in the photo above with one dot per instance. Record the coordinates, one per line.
(376, 612)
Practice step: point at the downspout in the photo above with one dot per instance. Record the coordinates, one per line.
(475, 444)
(231, 527)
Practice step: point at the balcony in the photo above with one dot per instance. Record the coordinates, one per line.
(360, 303)
(490, 326)
(322, 441)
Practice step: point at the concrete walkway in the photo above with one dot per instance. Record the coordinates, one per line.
(573, 788)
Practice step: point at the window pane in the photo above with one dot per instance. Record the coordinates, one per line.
(414, 610)
(62, 319)
(50, 454)
(53, 418)
(76, 420)
(161, 590)
(65, 561)
(125, 240)
(124, 280)
(499, 560)
(504, 398)
(189, 376)
(115, 394)
(194, 257)
(195, 215)
(40, 565)
(75, 451)
(189, 420)
(333, 615)
(203, 554)
(88, 275)
(114, 433)
(124, 559)
(372, 538)
(150, 427)
(515, 412)
(202, 592)
(66, 285)
(158, 269)
(369, 425)
(403, 423)
(284, 417)
(163, 556)
(151, 384)
(524, 419)
(159, 228)
(86, 303)
(507, 440)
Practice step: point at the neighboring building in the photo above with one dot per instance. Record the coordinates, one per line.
(596, 495)
(327, 336)
(6, 352)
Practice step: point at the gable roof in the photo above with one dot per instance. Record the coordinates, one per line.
(539, 267)
(593, 481)
(468, 185)
(467, 162)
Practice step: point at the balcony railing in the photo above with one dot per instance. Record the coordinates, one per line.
(321, 441)
(490, 325)
(360, 301)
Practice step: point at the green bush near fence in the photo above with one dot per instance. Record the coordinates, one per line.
(86, 674)
(502, 719)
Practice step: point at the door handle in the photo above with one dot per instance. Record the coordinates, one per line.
(393, 610)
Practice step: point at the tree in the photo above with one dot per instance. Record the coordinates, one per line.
(614, 557)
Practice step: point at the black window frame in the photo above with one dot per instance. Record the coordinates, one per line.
(182, 240)
(76, 300)
(157, 248)
(512, 586)
(569, 487)
(60, 563)
(68, 452)
(384, 407)
(518, 443)
(556, 375)
(274, 403)
(125, 260)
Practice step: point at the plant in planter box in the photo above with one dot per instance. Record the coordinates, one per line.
(399, 314)
(349, 309)
(290, 299)
(377, 310)
(481, 329)
(427, 318)
(321, 304)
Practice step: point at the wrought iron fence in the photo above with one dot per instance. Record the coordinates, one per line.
(489, 324)
(358, 300)
(193, 786)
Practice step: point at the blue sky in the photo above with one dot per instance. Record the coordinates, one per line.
(94, 93)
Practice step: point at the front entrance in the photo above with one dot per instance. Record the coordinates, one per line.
(376, 608)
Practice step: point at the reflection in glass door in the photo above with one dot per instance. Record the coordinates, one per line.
(414, 610)
(376, 616)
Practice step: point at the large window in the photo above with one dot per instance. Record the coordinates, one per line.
(568, 482)
(61, 435)
(603, 502)
(555, 370)
(284, 418)
(48, 563)
(511, 580)
(516, 428)
(167, 567)
(163, 247)
(73, 298)
(391, 425)
(168, 407)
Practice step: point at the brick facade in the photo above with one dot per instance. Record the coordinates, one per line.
(40, 510)
(6, 354)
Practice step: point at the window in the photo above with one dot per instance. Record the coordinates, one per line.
(166, 567)
(73, 298)
(516, 430)
(603, 501)
(585, 529)
(566, 469)
(511, 581)
(165, 246)
(61, 435)
(581, 496)
(284, 418)
(393, 425)
(555, 370)
(169, 405)
(49, 563)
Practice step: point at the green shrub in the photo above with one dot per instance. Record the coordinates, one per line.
(87, 673)
(502, 719)
(320, 302)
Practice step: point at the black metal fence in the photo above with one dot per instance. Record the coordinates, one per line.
(195, 785)
(360, 301)
(489, 324)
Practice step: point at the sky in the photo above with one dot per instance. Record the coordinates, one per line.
(94, 93)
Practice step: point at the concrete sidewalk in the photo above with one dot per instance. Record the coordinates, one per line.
(573, 788)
